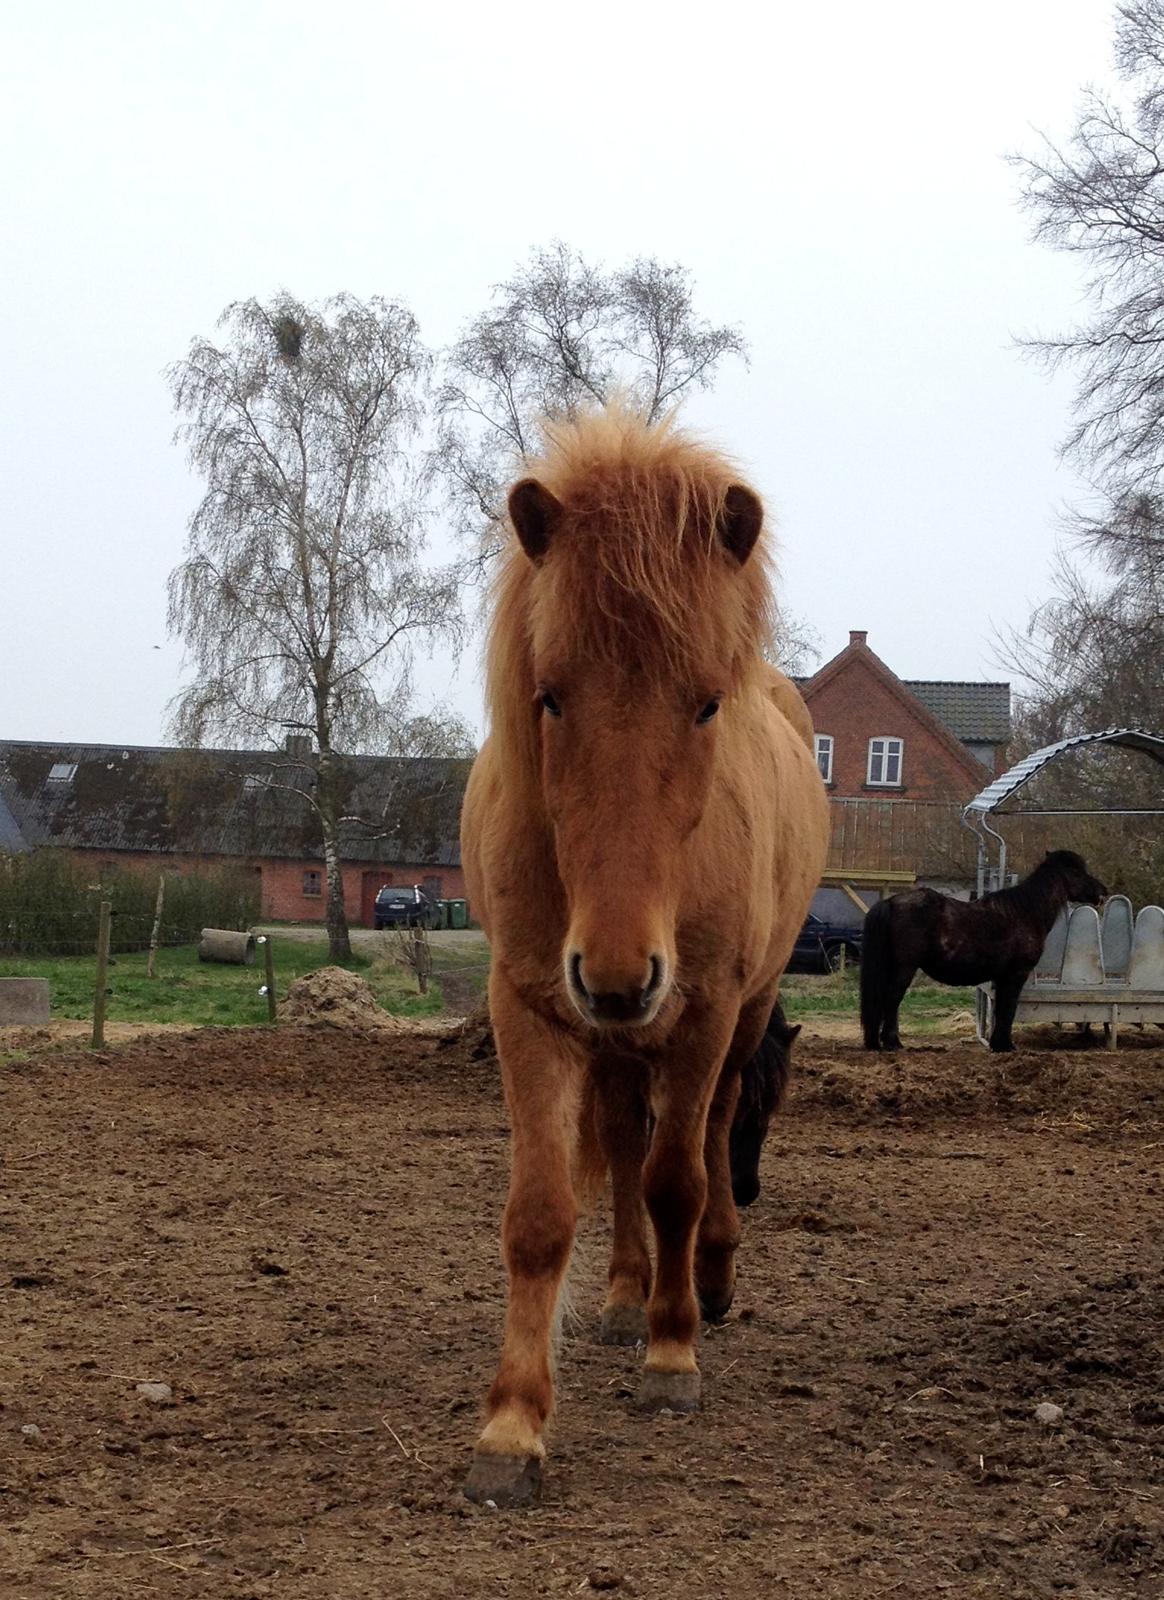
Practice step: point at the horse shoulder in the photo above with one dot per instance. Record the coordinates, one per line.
(507, 852)
(794, 815)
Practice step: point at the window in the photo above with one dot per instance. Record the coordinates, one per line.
(62, 771)
(824, 755)
(885, 763)
(313, 882)
(257, 780)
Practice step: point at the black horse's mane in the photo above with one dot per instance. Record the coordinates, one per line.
(1041, 890)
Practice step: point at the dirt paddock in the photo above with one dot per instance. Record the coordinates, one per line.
(297, 1233)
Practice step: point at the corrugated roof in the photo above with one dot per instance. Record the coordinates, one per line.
(994, 795)
(229, 802)
(975, 712)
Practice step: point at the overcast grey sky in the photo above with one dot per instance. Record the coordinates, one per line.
(832, 174)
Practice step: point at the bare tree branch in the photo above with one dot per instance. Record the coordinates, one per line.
(304, 589)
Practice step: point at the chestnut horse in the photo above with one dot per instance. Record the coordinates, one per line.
(642, 834)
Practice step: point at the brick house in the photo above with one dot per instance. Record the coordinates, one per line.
(885, 737)
(900, 758)
(177, 810)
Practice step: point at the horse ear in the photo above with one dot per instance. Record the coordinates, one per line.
(533, 512)
(740, 521)
(794, 1032)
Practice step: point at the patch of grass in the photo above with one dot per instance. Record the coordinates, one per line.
(926, 1004)
(190, 992)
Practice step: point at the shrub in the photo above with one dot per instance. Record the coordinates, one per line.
(49, 904)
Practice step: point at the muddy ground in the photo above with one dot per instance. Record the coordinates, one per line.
(297, 1232)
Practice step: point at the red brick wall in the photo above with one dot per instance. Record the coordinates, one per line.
(856, 706)
(283, 899)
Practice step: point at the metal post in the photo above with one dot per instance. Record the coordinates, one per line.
(269, 964)
(103, 923)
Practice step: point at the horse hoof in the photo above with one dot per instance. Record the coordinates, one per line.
(623, 1325)
(504, 1480)
(668, 1391)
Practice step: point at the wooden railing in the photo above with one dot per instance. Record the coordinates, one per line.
(928, 840)
(895, 836)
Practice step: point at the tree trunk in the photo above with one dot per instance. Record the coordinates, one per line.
(338, 938)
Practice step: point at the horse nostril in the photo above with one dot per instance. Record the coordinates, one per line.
(654, 983)
(580, 988)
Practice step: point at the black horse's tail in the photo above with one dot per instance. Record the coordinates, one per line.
(876, 968)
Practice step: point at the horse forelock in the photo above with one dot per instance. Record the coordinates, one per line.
(637, 571)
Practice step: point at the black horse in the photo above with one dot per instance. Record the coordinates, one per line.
(763, 1082)
(998, 938)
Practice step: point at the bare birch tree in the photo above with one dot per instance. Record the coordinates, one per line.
(559, 334)
(304, 589)
(562, 333)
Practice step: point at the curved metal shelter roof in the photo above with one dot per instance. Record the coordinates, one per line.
(995, 794)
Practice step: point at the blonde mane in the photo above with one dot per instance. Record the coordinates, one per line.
(637, 561)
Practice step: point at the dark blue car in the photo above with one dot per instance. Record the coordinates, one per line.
(825, 946)
(405, 908)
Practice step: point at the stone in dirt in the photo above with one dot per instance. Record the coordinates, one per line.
(1048, 1414)
(158, 1394)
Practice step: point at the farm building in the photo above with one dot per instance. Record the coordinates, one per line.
(178, 809)
(900, 760)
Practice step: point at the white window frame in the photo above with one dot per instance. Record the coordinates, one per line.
(889, 746)
(62, 772)
(823, 744)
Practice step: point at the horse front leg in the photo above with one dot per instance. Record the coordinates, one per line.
(541, 1078)
(675, 1189)
(622, 1127)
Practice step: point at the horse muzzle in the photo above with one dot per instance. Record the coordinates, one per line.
(609, 998)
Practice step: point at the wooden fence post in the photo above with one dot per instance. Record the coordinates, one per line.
(103, 923)
(157, 926)
(421, 958)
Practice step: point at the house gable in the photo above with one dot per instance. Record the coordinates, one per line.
(854, 698)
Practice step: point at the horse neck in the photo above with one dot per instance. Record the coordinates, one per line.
(1041, 895)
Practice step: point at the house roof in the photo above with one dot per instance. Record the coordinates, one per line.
(250, 803)
(976, 712)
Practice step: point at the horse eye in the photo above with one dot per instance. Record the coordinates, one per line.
(708, 711)
(550, 704)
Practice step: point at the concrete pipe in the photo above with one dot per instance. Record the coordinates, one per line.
(225, 944)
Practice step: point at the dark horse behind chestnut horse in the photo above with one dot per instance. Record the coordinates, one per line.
(643, 831)
(997, 939)
(763, 1084)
